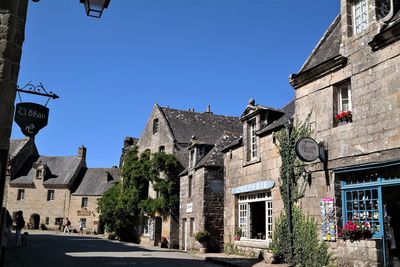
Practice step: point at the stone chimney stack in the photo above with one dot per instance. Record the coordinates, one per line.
(82, 152)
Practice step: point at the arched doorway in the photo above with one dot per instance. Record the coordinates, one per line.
(35, 221)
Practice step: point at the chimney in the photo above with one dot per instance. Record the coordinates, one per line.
(82, 152)
(208, 110)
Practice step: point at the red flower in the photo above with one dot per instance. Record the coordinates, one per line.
(338, 116)
(343, 114)
(349, 113)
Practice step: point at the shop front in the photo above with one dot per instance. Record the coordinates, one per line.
(370, 198)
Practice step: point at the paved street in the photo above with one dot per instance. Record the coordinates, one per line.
(49, 249)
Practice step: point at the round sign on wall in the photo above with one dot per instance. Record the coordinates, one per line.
(307, 149)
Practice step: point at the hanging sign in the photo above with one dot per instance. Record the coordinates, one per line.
(307, 149)
(31, 117)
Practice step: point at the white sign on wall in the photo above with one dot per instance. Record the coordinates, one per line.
(189, 207)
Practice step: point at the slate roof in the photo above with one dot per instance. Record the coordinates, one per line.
(215, 157)
(16, 145)
(207, 127)
(96, 181)
(289, 113)
(327, 48)
(60, 171)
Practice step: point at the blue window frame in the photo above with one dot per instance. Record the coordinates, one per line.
(362, 201)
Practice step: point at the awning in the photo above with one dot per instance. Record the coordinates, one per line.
(263, 185)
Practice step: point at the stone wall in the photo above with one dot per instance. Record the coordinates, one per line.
(35, 202)
(372, 136)
(12, 34)
(237, 173)
(90, 213)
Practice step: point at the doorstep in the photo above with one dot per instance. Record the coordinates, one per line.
(234, 260)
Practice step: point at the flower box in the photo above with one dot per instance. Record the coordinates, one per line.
(344, 117)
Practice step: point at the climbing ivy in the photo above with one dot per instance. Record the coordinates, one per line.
(307, 248)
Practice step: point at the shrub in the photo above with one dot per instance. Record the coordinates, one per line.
(202, 236)
(308, 250)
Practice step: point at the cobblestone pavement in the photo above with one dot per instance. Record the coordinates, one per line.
(49, 249)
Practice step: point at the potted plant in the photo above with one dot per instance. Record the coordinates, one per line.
(203, 237)
(238, 233)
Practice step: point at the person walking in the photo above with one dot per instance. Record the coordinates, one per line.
(67, 223)
(81, 227)
(20, 223)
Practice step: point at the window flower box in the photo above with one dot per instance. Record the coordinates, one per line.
(344, 116)
(355, 231)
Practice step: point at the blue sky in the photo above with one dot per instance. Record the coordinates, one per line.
(109, 72)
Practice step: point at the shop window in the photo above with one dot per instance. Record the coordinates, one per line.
(362, 205)
(47, 221)
(50, 195)
(155, 126)
(21, 194)
(360, 15)
(255, 215)
(84, 202)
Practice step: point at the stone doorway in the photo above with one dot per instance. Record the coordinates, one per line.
(35, 221)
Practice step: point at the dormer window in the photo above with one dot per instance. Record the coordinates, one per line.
(252, 140)
(155, 126)
(360, 15)
(192, 158)
(39, 173)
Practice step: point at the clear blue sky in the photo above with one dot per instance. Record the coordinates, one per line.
(109, 72)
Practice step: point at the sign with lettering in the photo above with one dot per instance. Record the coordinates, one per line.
(307, 149)
(83, 212)
(31, 117)
(189, 207)
(263, 185)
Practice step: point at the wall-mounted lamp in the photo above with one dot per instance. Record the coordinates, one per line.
(94, 8)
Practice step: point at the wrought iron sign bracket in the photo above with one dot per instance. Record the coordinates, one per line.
(39, 89)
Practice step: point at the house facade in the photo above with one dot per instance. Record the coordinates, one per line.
(94, 183)
(170, 130)
(42, 188)
(252, 197)
(355, 70)
(202, 193)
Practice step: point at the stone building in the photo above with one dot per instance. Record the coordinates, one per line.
(170, 131)
(355, 70)
(42, 188)
(94, 183)
(202, 193)
(20, 151)
(252, 197)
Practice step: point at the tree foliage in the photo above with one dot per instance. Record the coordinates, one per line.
(307, 248)
(122, 205)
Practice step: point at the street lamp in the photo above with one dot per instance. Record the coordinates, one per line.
(94, 8)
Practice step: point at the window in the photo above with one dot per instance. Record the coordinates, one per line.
(344, 97)
(342, 103)
(360, 15)
(147, 225)
(161, 149)
(39, 174)
(192, 158)
(84, 202)
(191, 227)
(47, 220)
(252, 140)
(50, 195)
(155, 126)
(21, 194)
(190, 186)
(83, 222)
(255, 215)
